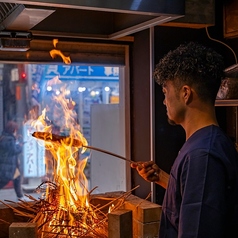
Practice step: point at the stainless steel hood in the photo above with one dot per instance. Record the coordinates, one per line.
(91, 19)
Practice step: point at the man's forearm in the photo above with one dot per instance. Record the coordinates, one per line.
(163, 179)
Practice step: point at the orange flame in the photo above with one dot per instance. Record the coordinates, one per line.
(55, 52)
(68, 211)
(65, 162)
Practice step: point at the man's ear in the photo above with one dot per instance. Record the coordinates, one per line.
(187, 94)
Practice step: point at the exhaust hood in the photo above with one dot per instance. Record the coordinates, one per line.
(94, 19)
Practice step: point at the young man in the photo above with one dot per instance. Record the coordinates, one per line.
(201, 198)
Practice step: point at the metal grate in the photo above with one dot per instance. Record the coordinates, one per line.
(6, 9)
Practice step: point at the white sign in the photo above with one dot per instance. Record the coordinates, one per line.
(34, 154)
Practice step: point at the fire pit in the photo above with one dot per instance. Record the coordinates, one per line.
(143, 221)
(67, 208)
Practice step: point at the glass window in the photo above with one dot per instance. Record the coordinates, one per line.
(83, 102)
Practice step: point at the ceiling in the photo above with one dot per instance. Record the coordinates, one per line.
(95, 19)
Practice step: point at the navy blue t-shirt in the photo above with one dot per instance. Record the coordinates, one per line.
(202, 195)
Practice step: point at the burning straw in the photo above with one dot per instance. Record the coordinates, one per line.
(65, 210)
(55, 220)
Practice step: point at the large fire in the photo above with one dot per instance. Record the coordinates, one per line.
(65, 209)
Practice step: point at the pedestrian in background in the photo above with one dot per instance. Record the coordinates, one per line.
(10, 148)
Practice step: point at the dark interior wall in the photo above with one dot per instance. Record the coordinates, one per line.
(168, 139)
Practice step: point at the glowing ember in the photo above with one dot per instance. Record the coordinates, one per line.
(56, 216)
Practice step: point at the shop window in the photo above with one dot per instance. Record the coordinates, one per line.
(93, 104)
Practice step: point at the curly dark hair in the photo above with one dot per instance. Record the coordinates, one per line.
(195, 65)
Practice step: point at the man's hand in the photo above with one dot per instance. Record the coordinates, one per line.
(150, 172)
(147, 170)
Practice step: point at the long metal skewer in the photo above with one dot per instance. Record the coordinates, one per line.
(108, 152)
(46, 136)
